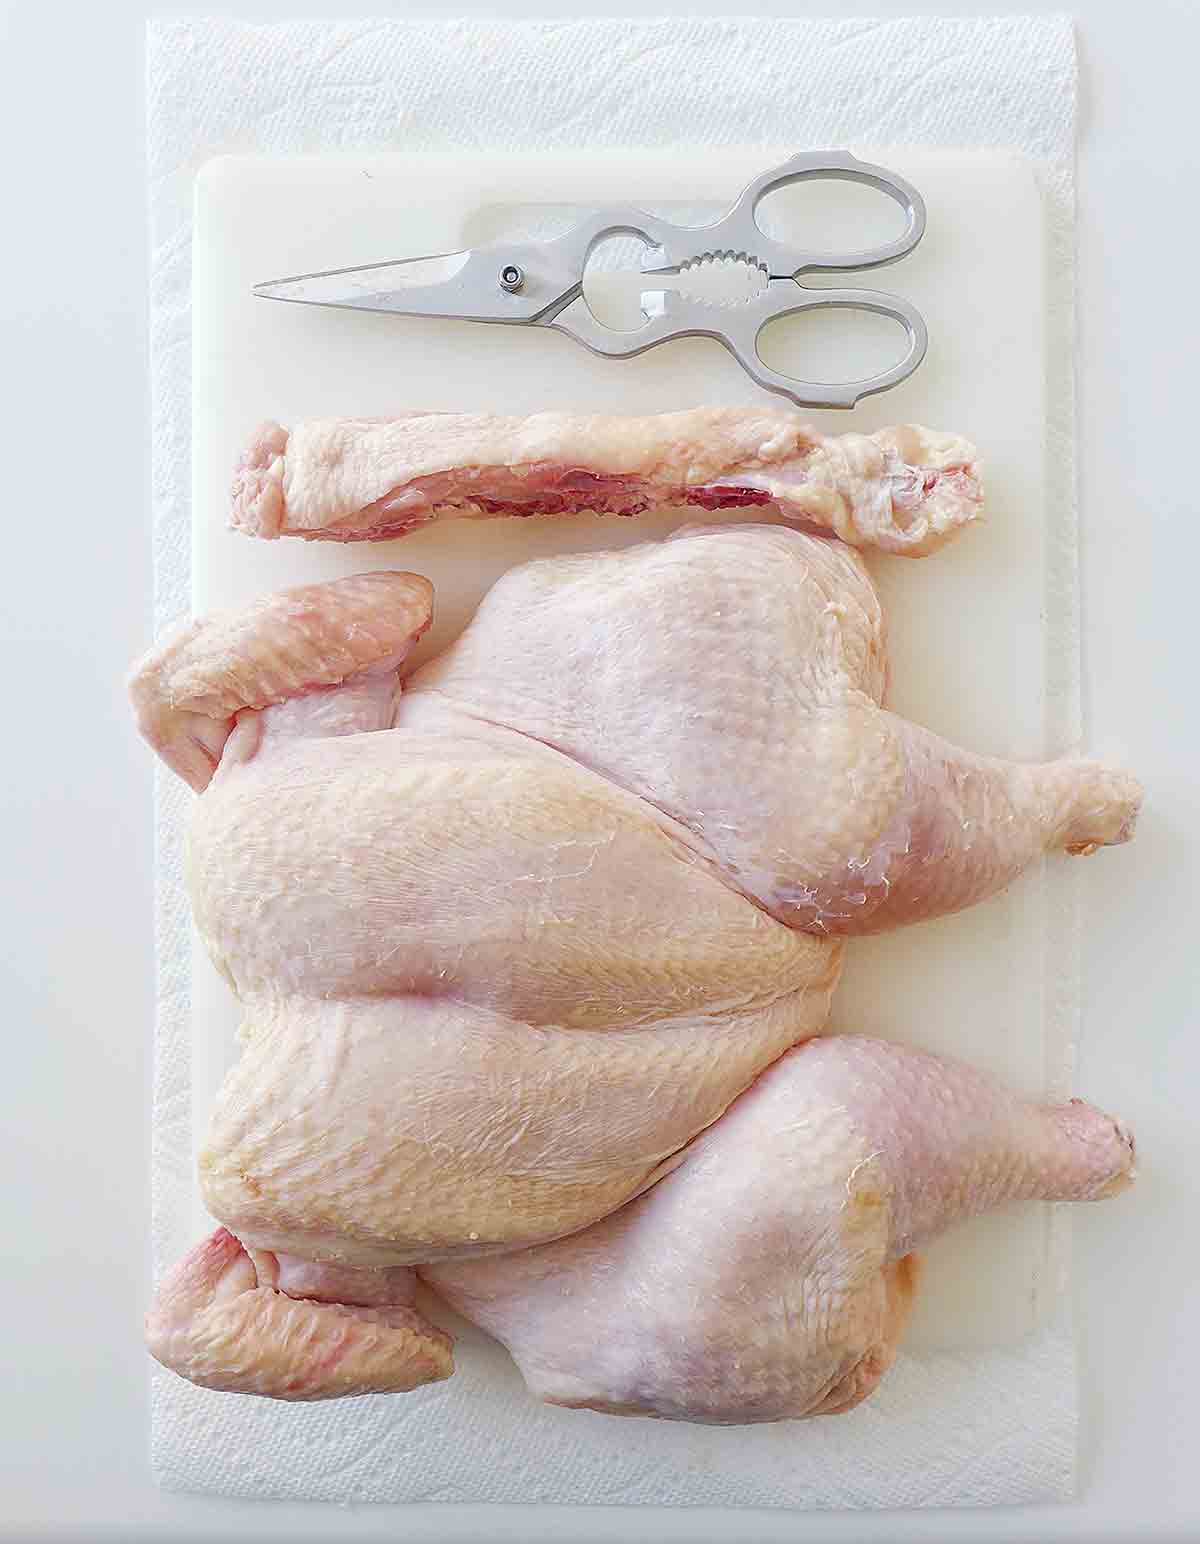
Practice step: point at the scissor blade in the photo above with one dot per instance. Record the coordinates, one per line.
(420, 285)
(452, 284)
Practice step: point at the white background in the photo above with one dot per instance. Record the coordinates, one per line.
(75, 849)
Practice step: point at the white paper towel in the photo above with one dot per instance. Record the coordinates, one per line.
(944, 1429)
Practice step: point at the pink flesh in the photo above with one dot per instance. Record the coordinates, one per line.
(608, 496)
(540, 490)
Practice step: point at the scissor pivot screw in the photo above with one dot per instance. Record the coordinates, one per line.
(512, 278)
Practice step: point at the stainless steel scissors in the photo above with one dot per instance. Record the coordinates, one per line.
(541, 283)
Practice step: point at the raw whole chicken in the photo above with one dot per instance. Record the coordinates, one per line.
(531, 956)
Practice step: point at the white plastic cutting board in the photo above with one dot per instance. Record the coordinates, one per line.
(967, 625)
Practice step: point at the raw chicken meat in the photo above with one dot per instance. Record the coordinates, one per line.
(905, 490)
(507, 944)
(770, 1275)
(228, 1322)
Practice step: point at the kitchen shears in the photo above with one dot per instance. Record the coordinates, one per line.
(540, 283)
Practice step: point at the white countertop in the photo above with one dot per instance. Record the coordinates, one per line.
(74, 803)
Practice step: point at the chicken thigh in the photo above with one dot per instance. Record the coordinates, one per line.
(507, 943)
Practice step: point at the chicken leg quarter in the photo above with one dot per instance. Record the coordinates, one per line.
(510, 944)
(720, 1296)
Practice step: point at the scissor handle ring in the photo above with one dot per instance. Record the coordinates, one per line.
(840, 166)
(844, 394)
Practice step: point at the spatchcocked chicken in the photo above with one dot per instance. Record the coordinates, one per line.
(532, 953)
